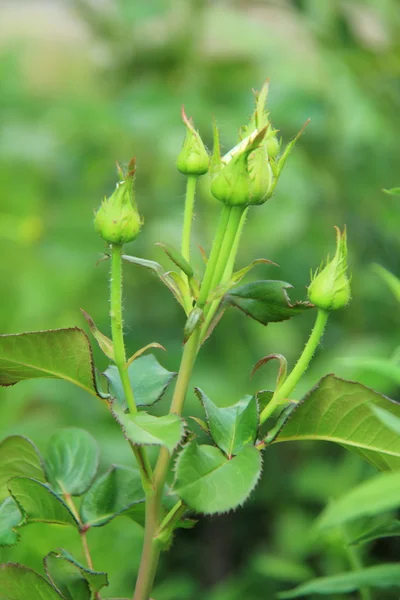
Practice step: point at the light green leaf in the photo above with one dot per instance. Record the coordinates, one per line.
(380, 576)
(10, 517)
(231, 427)
(38, 503)
(72, 461)
(391, 421)
(148, 378)
(379, 494)
(340, 411)
(391, 280)
(72, 579)
(18, 582)
(18, 457)
(393, 191)
(381, 531)
(210, 483)
(56, 354)
(144, 429)
(381, 366)
(114, 493)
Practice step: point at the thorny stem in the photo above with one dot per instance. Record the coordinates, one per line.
(120, 354)
(218, 259)
(282, 393)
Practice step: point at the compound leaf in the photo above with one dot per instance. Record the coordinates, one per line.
(72, 461)
(231, 427)
(116, 492)
(210, 483)
(148, 378)
(340, 411)
(55, 354)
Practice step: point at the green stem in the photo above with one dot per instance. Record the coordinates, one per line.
(356, 564)
(188, 215)
(282, 393)
(214, 256)
(226, 276)
(120, 354)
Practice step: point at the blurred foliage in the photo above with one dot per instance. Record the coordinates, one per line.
(85, 83)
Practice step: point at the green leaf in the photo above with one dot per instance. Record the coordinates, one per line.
(381, 366)
(38, 503)
(266, 301)
(377, 495)
(56, 354)
(391, 421)
(73, 580)
(18, 582)
(381, 531)
(144, 429)
(72, 461)
(148, 378)
(210, 483)
(391, 280)
(340, 411)
(177, 258)
(18, 457)
(393, 191)
(105, 344)
(380, 576)
(114, 493)
(231, 427)
(10, 517)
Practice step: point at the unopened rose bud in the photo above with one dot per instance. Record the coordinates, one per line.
(118, 220)
(193, 159)
(330, 286)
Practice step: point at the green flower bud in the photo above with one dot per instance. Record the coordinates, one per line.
(193, 159)
(330, 286)
(118, 220)
(245, 176)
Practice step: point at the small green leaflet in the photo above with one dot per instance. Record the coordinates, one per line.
(17, 582)
(72, 461)
(148, 378)
(55, 354)
(379, 494)
(380, 576)
(381, 531)
(10, 517)
(231, 427)
(112, 494)
(72, 579)
(39, 504)
(18, 457)
(266, 301)
(210, 483)
(339, 411)
(144, 429)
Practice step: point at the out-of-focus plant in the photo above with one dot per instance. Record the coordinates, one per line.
(188, 479)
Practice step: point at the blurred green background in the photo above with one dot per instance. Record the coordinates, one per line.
(84, 83)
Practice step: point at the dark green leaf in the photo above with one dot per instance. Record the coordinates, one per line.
(381, 531)
(340, 411)
(231, 427)
(210, 483)
(266, 301)
(39, 504)
(381, 576)
(73, 580)
(116, 492)
(18, 457)
(148, 378)
(20, 583)
(72, 461)
(379, 494)
(144, 429)
(56, 354)
(10, 517)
